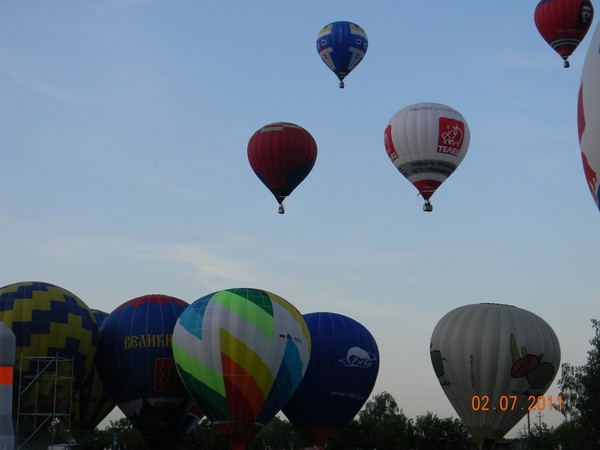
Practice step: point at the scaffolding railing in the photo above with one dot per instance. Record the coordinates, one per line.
(46, 374)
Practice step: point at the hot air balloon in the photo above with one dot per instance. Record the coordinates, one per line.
(282, 155)
(493, 362)
(135, 362)
(426, 142)
(342, 46)
(241, 353)
(341, 374)
(588, 113)
(92, 403)
(563, 24)
(56, 336)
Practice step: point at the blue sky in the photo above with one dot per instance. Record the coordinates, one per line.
(123, 134)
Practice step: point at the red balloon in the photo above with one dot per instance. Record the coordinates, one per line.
(563, 24)
(282, 155)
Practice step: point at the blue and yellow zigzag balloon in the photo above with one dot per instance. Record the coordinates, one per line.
(49, 321)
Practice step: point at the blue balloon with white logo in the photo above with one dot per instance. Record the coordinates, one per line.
(340, 376)
(342, 46)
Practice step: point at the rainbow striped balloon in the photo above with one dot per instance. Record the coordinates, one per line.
(241, 353)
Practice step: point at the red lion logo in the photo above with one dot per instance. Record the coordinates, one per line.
(452, 133)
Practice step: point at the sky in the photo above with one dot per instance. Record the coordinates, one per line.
(123, 158)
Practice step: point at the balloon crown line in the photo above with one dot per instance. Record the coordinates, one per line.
(496, 303)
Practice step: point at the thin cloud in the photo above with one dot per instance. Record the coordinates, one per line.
(25, 79)
(203, 264)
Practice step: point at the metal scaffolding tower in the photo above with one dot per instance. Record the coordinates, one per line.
(45, 376)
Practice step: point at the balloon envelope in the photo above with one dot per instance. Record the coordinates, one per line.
(341, 374)
(52, 323)
(92, 403)
(241, 353)
(282, 155)
(426, 142)
(493, 356)
(563, 24)
(588, 117)
(135, 363)
(342, 46)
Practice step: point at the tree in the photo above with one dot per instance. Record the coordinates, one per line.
(96, 440)
(580, 394)
(277, 434)
(128, 437)
(571, 390)
(348, 438)
(383, 405)
(442, 434)
(380, 425)
(542, 438)
(203, 436)
(383, 425)
(55, 433)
